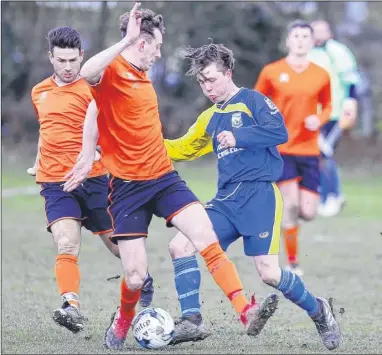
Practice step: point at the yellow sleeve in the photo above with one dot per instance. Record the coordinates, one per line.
(195, 143)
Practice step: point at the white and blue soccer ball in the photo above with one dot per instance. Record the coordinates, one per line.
(153, 328)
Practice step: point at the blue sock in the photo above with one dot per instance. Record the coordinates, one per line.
(293, 288)
(187, 283)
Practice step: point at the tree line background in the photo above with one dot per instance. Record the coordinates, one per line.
(255, 31)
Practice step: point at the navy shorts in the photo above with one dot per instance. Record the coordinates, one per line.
(132, 204)
(304, 169)
(251, 210)
(87, 203)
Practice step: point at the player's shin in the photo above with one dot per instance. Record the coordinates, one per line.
(129, 299)
(294, 289)
(68, 278)
(225, 275)
(187, 283)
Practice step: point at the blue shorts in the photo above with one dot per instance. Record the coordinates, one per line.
(252, 210)
(305, 169)
(133, 203)
(87, 203)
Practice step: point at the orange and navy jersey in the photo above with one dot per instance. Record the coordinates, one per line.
(61, 113)
(130, 131)
(297, 95)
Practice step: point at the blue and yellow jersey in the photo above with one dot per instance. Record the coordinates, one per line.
(258, 128)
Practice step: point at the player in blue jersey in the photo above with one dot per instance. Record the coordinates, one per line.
(243, 128)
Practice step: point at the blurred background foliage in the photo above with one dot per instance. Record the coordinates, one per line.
(255, 31)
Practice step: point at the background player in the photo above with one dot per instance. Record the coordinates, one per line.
(61, 102)
(297, 87)
(339, 62)
(243, 128)
(144, 181)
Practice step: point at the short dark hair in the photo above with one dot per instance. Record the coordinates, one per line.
(64, 37)
(209, 53)
(150, 22)
(299, 24)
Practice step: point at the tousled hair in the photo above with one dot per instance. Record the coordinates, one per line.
(205, 55)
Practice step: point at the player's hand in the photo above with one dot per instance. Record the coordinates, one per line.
(312, 123)
(78, 174)
(348, 118)
(226, 139)
(134, 26)
(97, 156)
(32, 171)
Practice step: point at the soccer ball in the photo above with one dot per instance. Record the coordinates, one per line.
(153, 328)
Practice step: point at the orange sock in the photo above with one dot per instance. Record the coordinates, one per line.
(67, 275)
(129, 299)
(290, 239)
(225, 275)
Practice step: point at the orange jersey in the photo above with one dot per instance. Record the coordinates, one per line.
(61, 113)
(130, 131)
(297, 95)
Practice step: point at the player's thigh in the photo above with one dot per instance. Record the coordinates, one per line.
(134, 260)
(129, 208)
(223, 227)
(64, 217)
(182, 209)
(309, 186)
(263, 213)
(194, 223)
(133, 225)
(94, 205)
(106, 239)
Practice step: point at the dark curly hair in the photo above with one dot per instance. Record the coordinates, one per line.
(150, 21)
(209, 53)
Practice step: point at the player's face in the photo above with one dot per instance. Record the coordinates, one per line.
(66, 63)
(214, 82)
(151, 51)
(300, 41)
(321, 33)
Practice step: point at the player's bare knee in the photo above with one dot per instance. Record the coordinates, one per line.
(307, 215)
(67, 245)
(135, 280)
(268, 269)
(181, 247)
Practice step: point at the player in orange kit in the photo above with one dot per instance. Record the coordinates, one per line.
(61, 102)
(297, 87)
(144, 182)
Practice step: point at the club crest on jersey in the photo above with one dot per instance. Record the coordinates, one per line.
(43, 96)
(284, 77)
(236, 120)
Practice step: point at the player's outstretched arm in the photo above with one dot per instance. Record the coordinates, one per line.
(82, 169)
(269, 130)
(93, 69)
(194, 144)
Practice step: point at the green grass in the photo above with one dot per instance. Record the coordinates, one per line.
(341, 258)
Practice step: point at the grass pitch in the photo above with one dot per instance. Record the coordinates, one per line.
(341, 257)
